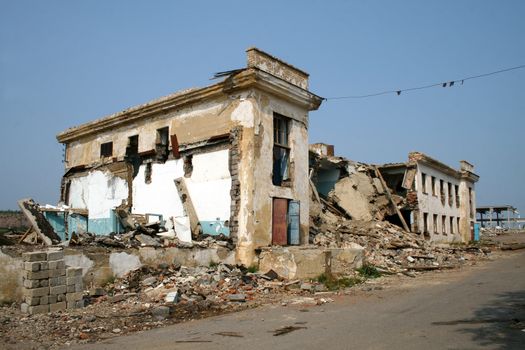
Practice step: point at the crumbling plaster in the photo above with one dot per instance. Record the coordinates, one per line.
(98, 192)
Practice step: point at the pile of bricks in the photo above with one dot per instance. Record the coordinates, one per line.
(48, 285)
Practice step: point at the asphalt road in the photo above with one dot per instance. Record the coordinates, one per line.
(471, 308)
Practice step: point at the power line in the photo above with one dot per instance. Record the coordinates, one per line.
(447, 83)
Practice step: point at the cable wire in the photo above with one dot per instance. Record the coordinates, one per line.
(448, 83)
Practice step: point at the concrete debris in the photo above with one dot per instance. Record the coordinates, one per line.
(39, 223)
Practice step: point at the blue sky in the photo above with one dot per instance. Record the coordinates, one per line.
(63, 63)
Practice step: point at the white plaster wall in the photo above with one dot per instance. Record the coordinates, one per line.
(210, 184)
(209, 188)
(428, 203)
(98, 192)
(160, 196)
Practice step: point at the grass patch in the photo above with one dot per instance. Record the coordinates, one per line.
(333, 283)
(253, 268)
(369, 271)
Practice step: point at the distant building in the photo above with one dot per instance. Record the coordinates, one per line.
(439, 202)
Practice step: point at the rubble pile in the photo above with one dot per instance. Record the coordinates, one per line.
(149, 236)
(388, 246)
(216, 284)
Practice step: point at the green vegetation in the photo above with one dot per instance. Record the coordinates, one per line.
(369, 271)
(253, 269)
(333, 283)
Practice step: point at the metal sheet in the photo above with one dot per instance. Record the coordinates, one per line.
(293, 222)
(279, 222)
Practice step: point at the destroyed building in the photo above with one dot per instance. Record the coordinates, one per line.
(423, 196)
(230, 158)
(439, 202)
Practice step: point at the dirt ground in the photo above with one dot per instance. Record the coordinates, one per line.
(106, 317)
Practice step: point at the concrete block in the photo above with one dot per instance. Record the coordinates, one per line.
(44, 265)
(57, 272)
(39, 309)
(36, 292)
(75, 304)
(61, 280)
(24, 308)
(58, 255)
(44, 283)
(74, 271)
(73, 280)
(79, 288)
(70, 288)
(32, 301)
(32, 275)
(32, 283)
(74, 296)
(44, 300)
(53, 281)
(34, 256)
(52, 299)
(32, 266)
(53, 264)
(58, 306)
(57, 290)
(61, 297)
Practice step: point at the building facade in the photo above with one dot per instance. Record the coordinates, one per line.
(439, 202)
(230, 158)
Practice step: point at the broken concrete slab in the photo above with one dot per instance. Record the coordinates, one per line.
(40, 225)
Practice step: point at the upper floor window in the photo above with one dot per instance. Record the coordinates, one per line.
(162, 143)
(424, 182)
(281, 149)
(106, 149)
(456, 189)
(433, 183)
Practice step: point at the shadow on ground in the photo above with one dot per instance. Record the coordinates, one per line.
(501, 322)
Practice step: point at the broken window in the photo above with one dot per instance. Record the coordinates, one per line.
(281, 149)
(470, 202)
(442, 191)
(106, 149)
(457, 219)
(456, 188)
(449, 194)
(452, 225)
(435, 223)
(162, 144)
(433, 184)
(425, 224)
(424, 182)
(444, 224)
(132, 153)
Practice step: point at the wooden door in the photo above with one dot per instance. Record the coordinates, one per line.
(279, 221)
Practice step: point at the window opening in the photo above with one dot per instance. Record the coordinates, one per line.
(106, 149)
(281, 150)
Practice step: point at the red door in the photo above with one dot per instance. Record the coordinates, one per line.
(279, 222)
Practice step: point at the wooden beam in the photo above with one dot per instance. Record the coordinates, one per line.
(389, 195)
(180, 183)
